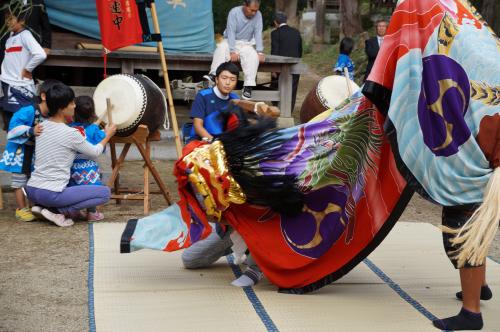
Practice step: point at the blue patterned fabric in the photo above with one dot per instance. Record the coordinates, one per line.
(16, 97)
(344, 61)
(86, 171)
(19, 134)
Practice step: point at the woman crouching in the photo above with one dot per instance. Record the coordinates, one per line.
(55, 151)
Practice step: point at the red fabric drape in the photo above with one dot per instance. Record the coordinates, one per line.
(119, 23)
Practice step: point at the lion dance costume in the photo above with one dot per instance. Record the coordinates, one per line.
(314, 200)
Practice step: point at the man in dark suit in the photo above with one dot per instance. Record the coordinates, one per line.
(372, 45)
(286, 41)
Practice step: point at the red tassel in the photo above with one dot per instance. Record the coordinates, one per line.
(105, 56)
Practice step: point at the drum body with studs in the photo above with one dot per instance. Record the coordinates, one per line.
(328, 93)
(135, 100)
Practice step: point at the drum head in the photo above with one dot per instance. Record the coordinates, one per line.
(328, 93)
(332, 90)
(127, 97)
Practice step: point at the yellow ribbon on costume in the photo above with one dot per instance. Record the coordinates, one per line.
(209, 175)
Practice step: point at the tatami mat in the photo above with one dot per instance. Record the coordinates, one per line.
(413, 256)
(151, 291)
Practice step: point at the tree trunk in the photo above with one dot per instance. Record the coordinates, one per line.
(350, 19)
(488, 11)
(289, 7)
(320, 20)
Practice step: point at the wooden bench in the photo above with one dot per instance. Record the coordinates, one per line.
(130, 61)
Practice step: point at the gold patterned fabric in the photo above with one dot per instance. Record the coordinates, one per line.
(209, 176)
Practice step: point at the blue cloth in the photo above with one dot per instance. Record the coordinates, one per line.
(20, 133)
(85, 171)
(209, 107)
(186, 26)
(16, 97)
(344, 61)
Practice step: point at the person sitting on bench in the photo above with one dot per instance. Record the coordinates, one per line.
(243, 31)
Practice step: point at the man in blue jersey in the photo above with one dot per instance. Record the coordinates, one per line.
(211, 105)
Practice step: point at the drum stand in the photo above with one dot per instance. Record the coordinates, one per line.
(141, 138)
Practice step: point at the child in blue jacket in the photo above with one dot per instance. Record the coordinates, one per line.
(344, 60)
(85, 170)
(19, 151)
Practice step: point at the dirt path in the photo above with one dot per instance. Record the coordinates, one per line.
(43, 268)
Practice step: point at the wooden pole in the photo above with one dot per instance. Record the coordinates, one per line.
(163, 60)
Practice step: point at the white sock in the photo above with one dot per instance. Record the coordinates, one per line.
(249, 278)
(243, 281)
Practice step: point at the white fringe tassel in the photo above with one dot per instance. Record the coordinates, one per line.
(479, 231)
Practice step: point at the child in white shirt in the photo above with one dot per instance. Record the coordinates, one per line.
(22, 55)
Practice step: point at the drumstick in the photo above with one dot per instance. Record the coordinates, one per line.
(348, 81)
(108, 110)
(100, 119)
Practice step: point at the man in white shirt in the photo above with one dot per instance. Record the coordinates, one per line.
(243, 32)
(372, 45)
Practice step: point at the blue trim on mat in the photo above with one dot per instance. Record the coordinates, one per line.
(395, 287)
(493, 259)
(90, 280)
(252, 297)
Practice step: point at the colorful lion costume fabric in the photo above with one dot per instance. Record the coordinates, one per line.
(435, 84)
(350, 192)
(440, 66)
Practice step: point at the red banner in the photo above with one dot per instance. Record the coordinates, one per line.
(119, 23)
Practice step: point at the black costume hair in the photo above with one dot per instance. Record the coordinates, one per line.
(279, 192)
